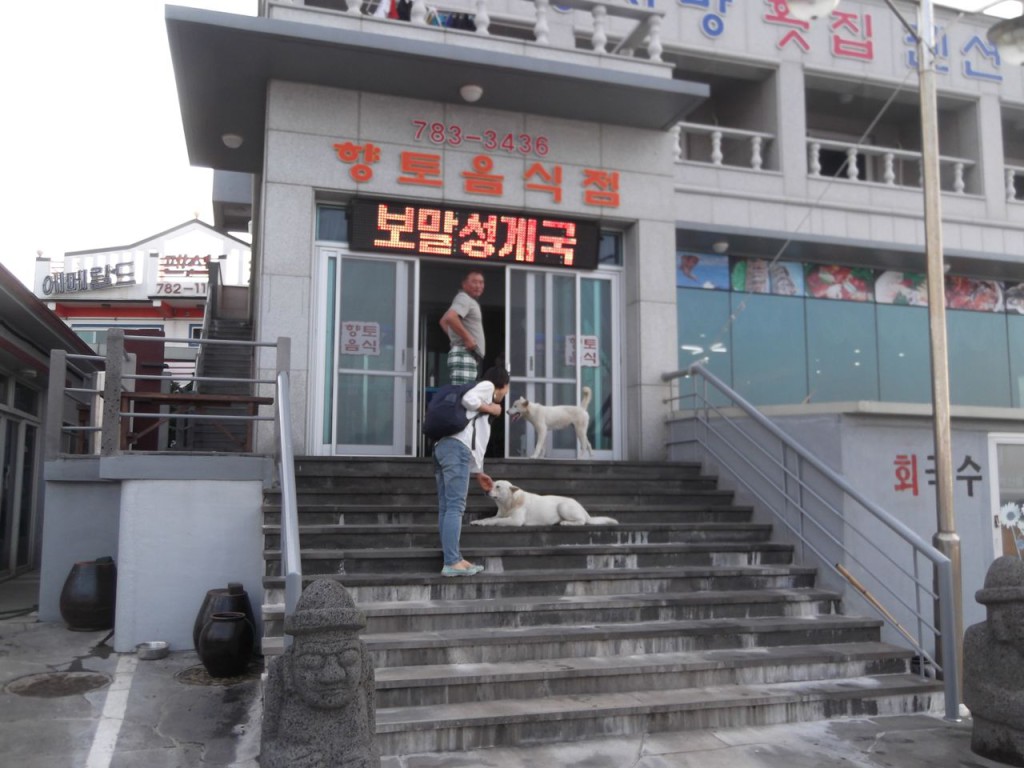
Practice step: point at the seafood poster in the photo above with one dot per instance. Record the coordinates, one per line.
(1014, 298)
(974, 295)
(908, 289)
(702, 270)
(832, 281)
(782, 278)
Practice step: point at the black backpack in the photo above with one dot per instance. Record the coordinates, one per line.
(446, 415)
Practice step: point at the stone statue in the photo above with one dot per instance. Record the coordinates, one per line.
(994, 665)
(319, 703)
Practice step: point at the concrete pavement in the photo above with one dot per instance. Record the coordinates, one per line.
(67, 700)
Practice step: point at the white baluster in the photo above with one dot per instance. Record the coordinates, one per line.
(814, 161)
(851, 163)
(958, 178)
(920, 175)
(1011, 189)
(540, 27)
(654, 46)
(677, 137)
(482, 18)
(756, 161)
(716, 147)
(599, 41)
(889, 174)
(354, 7)
(418, 13)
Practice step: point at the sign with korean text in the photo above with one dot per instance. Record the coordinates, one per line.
(360, 338)
(92, 279)
(475, 234)
(590, 351)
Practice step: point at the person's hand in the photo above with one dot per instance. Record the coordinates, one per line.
(485, 482)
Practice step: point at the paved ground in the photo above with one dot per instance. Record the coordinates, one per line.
(169, 714)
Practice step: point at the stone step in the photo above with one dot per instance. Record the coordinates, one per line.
(425, 513)
(424, 496)
(409, 536)
(501, 644)
(487, 682)
(434, 615)
(508, 559)
(577, 487)
(384, 587)
(509, 469)
(553, 719)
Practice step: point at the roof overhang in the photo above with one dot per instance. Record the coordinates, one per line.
(223, 62)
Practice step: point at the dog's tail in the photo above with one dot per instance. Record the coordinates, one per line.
(602, 521)
(586, 398)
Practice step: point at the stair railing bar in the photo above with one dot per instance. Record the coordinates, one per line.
(919, 586)
(797, 505)
(942, 568)
(221, 379)
(204, 342)
(291, 560)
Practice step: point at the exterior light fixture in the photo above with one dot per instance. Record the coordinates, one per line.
(720, 246)
(805, 10)
(471, 92)
(1008, 37)
(232, 140)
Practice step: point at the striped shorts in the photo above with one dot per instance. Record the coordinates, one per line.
(462, 367)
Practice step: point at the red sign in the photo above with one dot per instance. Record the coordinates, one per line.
(470, 233)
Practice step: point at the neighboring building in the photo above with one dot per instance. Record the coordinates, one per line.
(723, 189)
(28, 332)
(157, 285)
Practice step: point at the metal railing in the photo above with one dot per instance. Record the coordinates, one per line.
(827, 516)
(291, 559)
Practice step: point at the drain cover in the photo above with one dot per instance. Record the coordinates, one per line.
(199, 676)
(52, 685)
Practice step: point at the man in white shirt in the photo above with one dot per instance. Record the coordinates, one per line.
(463, 322)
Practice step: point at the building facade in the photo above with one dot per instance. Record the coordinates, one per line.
(642, 185)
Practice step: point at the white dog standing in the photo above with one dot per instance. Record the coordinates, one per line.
(547, 417)
(517, 507)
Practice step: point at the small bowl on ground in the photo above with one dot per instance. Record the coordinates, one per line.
(154, 649)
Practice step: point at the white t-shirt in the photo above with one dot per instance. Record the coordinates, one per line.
(482, 393)
(468, 310)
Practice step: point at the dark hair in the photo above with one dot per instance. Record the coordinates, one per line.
(497, 375)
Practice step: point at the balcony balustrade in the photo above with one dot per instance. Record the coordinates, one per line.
(716, 145)
(1015, 182)
(887, 166)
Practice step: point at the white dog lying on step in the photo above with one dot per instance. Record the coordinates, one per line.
(518, 507)
(545, 417)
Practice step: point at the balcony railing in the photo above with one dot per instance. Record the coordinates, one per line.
(715, 145)
(887, 166)
(637, 29)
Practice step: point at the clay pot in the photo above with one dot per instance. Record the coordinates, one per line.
(225, 644)
(234, 599)
(89, 596)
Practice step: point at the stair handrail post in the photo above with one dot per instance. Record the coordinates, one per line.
(291, 561)
(113, 386)
(55, 403)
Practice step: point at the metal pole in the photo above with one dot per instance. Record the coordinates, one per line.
(946, 539)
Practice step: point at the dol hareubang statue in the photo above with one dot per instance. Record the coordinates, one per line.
(319, 703)
(994, 665)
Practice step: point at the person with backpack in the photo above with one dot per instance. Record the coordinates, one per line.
(461, 454)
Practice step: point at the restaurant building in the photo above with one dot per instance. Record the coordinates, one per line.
(642, 184)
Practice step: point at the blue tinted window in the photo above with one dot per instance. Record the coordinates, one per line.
(979, 367)
(904, 357)
(841, 353)
(1015, 332)
(769, 348)
(703, 320)
(331, 224)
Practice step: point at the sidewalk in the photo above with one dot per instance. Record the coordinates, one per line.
(167, 714)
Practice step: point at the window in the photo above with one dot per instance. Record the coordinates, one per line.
(841, 354)
(769, 352)
(331, 224)
(979, 366)
(609, 249)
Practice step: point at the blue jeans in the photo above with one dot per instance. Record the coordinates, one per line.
(452, 460)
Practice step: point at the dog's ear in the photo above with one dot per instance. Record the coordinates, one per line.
(513, 488)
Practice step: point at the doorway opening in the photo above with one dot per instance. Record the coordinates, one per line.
(439, 282)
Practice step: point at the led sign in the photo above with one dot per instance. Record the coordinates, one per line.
(509, 237)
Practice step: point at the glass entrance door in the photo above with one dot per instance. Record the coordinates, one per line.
(562, 336)
(369, 397)
(1006, 455)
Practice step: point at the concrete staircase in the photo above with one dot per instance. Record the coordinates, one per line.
(224, 361)
(684, 616)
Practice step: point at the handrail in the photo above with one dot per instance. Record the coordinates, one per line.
(945, 634)
(291, 560)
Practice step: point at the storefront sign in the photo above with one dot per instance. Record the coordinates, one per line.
(94, 279)
(359, 338)
(474, 234)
